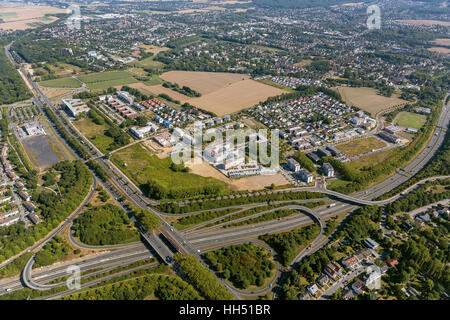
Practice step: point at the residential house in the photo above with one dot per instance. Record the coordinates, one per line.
(392, 263)
(358, 286)
(323, 280)
(313, 289)
(347, 294)
(304, 296)
(333, 269)
(351, 262)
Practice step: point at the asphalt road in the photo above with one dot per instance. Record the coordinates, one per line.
(50, 273)
(134, 193)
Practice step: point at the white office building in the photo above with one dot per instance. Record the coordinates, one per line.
(75, 106)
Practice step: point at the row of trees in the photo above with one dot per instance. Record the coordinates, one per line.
(438, 166)
(202, 279)
(156, 190)
(12, 87)
(304, 161)
(183, 90)
(422, 196)
(72, 141)
(344, 169)
(201, 217)
(214, 204)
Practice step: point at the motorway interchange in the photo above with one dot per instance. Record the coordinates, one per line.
(194, 240)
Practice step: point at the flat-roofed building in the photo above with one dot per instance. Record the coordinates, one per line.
(125, 97)
(314, 157)
(328, 170)
(334, 151)
(293, 165)
(29, 206)
(323, 152)
(75, 106)
(305, 176)
(143, 132)
(392, 138)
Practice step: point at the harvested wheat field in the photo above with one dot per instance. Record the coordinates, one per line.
(248, 183)
(54, 93)
(203, 82)
(21, 17)
(442, 42)
(440, 50)
(368, 100)
(222, 93)
(235, 97)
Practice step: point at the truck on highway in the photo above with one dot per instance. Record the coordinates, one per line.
(332, 205)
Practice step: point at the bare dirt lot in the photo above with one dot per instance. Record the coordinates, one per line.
(19, 17)
(368, 100)
(248, 183)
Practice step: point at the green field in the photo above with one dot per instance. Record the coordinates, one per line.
(149, 63)
(276, 85)
(411, 120)
(104, 80)
(67, 82)
(336, 184)
(361, 146)
(95, 133)
(141, 166)
(154, 81)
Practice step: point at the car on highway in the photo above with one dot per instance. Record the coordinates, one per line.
(168, 259)
(8, 289)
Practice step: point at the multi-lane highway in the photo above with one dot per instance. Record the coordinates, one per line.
(192, 241)
(101, 260)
